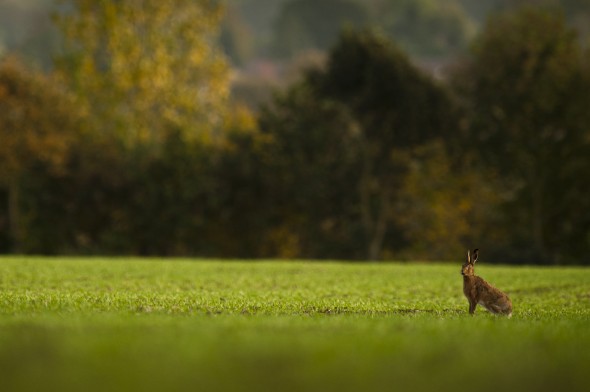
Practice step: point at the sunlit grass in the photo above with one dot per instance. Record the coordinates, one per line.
(133, 324)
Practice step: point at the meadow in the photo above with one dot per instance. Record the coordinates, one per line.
(124, 324)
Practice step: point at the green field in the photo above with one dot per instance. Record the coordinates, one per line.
(201, 325)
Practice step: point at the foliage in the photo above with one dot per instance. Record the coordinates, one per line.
(528, 98)
(151, 87)
(387, 105)
(115, 324)
(188, 198)
(82, 204)
(364, 157)
(444, 205)
(310, 165)
(143, 67)
(37, 125)
(35, 119)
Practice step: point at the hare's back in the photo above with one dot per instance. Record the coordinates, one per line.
(487, 291)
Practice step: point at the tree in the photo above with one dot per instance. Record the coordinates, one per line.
(37, 124)
(358, 116)
(396, 107)
(528, 96)
(144, 66)
(309, 165)
(446, 203)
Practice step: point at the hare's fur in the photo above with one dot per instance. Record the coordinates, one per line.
(480, 292)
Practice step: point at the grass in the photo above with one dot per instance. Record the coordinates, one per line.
(134, 324)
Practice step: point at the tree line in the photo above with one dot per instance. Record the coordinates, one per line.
(133, 145)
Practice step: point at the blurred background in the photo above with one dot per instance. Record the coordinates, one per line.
(317, 129)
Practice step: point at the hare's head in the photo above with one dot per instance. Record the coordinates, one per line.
(467, 269)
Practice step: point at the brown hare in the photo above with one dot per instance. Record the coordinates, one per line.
(478, 291)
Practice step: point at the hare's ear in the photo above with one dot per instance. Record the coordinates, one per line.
(468, 257)
(474, 257)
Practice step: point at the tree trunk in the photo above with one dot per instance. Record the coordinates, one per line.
(378, 232)
(374, 216)
(14, 217)
(537, 219)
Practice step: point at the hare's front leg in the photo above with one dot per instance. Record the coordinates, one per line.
(472, 305)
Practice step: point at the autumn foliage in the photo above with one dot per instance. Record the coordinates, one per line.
(133, 145)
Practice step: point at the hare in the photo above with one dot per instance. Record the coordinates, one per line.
(478, 291)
